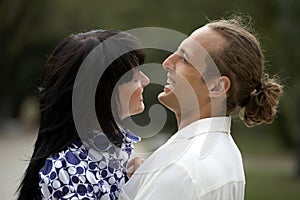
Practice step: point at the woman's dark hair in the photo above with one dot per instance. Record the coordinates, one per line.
(57, 128)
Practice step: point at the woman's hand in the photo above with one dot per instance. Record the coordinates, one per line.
(133, 164)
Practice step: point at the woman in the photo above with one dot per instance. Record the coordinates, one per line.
(65, 165)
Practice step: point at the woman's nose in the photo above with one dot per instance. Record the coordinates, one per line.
(145, 80)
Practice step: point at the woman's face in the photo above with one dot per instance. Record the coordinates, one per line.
(131, 95)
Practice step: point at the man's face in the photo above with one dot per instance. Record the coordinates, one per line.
(186, 90)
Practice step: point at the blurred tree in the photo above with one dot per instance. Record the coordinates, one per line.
(16, 18)
(298, 139)
(30, 29)
(286, 48)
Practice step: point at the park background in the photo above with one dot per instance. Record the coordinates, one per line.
(30, 30)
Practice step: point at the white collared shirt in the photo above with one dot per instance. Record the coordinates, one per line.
(201, 161)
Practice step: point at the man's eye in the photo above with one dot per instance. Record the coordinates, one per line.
(184, 60)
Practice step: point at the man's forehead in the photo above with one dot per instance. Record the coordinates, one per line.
(197, 56)
(209, 39)
(193, 50)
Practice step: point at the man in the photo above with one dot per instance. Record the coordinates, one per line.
(218, 69)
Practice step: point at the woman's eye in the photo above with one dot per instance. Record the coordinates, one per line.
(136, 77)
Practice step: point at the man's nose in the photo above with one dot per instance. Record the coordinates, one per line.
(170, 62)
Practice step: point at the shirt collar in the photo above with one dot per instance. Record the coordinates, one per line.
(98, 143)
(130, 137)
(206, 125)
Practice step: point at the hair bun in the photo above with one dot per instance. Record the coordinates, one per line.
(263, 102)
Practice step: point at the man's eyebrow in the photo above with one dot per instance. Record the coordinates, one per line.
(183, 53)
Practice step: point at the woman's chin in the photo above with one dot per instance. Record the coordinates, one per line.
(138, 110)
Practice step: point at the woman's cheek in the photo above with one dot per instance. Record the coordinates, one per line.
(136, 104)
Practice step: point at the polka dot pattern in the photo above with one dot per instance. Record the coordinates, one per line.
(97, 172)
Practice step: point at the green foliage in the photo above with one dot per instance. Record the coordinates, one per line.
(29, 30)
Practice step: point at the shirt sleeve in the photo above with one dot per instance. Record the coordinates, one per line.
(67, 182)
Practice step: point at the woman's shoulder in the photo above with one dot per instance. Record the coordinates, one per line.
(73, 158)
(68, 174)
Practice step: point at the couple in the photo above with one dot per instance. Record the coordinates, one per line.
(216, 71)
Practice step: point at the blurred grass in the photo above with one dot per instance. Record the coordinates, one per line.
(265, 184)
(270, 167)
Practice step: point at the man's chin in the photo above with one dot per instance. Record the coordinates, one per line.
(163, 97)
(168, 99)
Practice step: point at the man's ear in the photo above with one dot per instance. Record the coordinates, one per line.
(219, 87)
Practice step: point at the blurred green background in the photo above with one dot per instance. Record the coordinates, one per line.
(30, 30)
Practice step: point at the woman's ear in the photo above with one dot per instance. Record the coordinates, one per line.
(220, 87)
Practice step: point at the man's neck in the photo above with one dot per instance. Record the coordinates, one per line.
(188, 117)
(185, 120)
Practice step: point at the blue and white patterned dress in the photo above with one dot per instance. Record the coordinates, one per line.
(79, 172)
